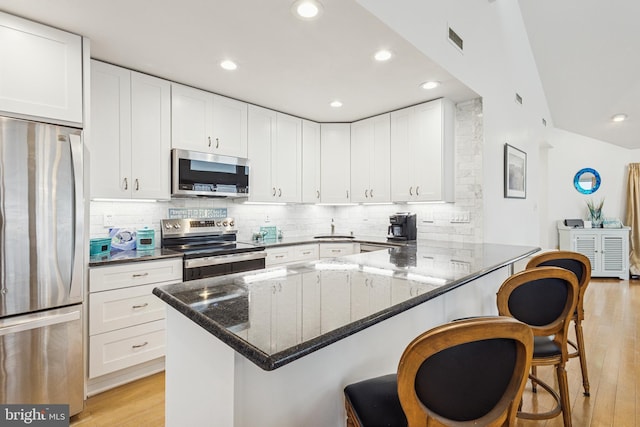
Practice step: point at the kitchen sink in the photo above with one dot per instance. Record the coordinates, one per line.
(333, 236)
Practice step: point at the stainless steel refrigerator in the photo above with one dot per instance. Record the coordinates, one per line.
(41, 264)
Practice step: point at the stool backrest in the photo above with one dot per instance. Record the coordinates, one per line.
(472, 370)
(575, 262)
(544, 298)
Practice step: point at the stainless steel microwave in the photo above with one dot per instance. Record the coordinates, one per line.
(195, 174)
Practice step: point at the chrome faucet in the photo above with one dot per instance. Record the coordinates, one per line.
(333, 227)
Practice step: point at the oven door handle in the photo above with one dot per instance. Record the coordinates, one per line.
(224, 259)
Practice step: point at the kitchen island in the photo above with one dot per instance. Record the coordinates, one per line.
(276, 347)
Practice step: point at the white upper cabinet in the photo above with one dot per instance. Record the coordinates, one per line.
(422, 152)
(310, 162)
(41, 72)
(370, 164)
(335, 162)
(205, 122)
(130, 143)
(275, 155)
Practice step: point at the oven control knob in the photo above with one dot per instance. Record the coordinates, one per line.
(224, 223)
(219, 223)
(167, 226)
(176, 226)
(231, 224)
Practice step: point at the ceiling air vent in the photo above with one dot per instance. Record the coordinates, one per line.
(455, 39)
(518, 99)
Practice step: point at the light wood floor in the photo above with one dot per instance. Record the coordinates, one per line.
(612, 337)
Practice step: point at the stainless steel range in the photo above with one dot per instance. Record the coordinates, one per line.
(210, 247)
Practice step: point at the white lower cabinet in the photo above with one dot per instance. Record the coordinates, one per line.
(290, 254)
(126, 321)
(369, 294)
(606, 248)
(333, 250)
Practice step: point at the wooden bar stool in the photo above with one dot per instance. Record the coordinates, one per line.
(580, 265)
(468, 372)
(544, 298)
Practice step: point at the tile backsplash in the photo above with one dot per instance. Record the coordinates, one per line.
(460, 221)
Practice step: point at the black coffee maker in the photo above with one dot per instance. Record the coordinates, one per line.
(402, 226)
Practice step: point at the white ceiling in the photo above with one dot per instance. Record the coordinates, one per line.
(293, 66)
(586, 51)
(588, 57)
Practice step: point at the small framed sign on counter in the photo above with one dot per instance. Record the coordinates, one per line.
(515, 172)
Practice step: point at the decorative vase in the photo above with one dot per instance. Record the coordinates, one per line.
(596, 219)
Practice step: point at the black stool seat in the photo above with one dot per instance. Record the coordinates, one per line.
(545, 347)
(376, 402)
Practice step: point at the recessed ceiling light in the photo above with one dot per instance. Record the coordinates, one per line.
(307, 9)
(382, 55)
(336, 104)
(619, 117)
(228, 65)
(430, 85)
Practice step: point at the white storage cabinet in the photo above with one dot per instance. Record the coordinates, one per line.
(206, 122)
(275, 152)
(335, 163)
(370, 164)
(606, 248)
(131, 137)
(310, 162)
(422, 152)
(41, 72)
(126, 321)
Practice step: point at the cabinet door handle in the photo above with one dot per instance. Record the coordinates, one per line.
(279, 192)
(209, 138)
(217, 143)
(411, 191)
(366, 194)
(126, 184)
(140, 274)
(137, 182)
(318, 193)
(347, 194)
(273, 191)
(140, 305)
(418, 190)
(139, 345)
(371, 193)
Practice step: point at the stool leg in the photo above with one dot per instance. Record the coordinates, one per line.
(583, 357)
(534, 386)
(564, 394)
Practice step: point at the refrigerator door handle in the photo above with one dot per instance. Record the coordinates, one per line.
(75, 142)
(26, 323)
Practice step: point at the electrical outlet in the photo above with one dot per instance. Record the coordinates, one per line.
(460, 217)
(107, 220)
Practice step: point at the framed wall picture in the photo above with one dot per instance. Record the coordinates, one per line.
(515, 172)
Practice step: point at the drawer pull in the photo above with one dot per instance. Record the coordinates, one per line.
(140, 345)
(279, 256)
(306, 253)
(336, 250)
(140, 305)
(140, 274)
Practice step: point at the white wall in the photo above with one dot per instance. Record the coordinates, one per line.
(568, 154)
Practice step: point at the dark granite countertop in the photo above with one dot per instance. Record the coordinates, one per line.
(277, 315)
(119, 257)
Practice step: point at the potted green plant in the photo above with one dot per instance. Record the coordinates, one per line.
(595, 212)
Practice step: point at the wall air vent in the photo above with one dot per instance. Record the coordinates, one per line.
(518, 99)
(455, 39)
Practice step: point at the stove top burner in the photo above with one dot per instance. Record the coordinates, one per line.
(203, 237)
